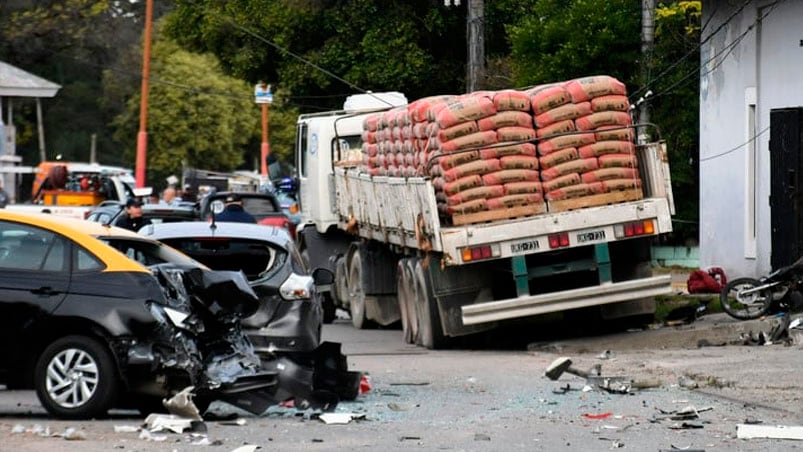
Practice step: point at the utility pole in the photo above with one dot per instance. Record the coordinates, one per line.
(475, 35)
(647, 41)
(142, 136)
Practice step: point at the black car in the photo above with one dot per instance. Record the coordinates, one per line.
(91, 326)
(111, 212)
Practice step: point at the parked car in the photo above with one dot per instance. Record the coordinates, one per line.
(91, 328)
(264, 207)
(289, 320)
(111, 212)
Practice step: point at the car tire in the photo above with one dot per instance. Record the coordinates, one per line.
(75, 378)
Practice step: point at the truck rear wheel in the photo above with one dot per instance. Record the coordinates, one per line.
(356, 294)
(407, 301)
(430, 331)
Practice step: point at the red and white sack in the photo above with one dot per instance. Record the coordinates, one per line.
(610, 103)
(511, 100)
(605, 174)
(519, 188)
(370, 149)
(603, 118)
(464, 183)
(506, 119)
(371, 122)
(618, 160)
(607, 147)
(465, 109)
(560, 182)
(507, 176)
(449, 161)
(509, 149)
(621, 184)
(505, 202)
(585, 88)
(573, 166)
(519, 162)
(419, 108)
(474, 140)
(573, 140)
(476, 193)
(562, 113)
(458, 130)
(515, 134)
(555, 129)
(475, 167)
(561, 156)
(477, 205)
(575, 191)
(614, 133)
(547, 97)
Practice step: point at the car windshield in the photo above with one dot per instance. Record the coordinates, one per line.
(148, 253)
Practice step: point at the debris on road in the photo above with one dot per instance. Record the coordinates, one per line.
(595, 379)
(181, 405)
(751, 431)
(340, 418)
(597, 416)
(157, 422)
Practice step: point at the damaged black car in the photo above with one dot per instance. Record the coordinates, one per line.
(92, 327)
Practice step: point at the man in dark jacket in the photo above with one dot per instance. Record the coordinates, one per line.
(234, 211)
(132, 218)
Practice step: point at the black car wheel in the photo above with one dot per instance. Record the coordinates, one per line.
(75, 378)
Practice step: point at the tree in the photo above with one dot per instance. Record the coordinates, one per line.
(196, 116)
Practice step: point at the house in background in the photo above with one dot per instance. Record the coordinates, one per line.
(751, 124)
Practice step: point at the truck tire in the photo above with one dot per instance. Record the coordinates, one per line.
(356, 294)
(430, 331)
(407, 301)
(341, 283)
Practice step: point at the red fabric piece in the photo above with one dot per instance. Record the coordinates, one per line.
(365, 384)
(701, 281)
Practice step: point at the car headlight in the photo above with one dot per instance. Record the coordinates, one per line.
(296, 287)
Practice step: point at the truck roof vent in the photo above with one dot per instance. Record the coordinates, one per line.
(373, 101)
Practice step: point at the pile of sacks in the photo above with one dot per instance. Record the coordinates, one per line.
(493, 150)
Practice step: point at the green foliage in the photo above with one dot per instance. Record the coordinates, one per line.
(205, 126)
(561, 40)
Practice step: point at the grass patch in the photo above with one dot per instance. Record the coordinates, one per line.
(665, 305)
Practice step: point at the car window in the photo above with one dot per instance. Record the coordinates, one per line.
(24, 247)
(147, 252)
(85, 261)
(254, 258)
(258, 206)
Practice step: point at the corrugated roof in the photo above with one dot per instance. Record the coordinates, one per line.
(14, 82)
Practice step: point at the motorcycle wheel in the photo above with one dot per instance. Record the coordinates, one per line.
(745, 306)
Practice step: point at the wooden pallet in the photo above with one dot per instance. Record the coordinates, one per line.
(498, 214)
(601, 199)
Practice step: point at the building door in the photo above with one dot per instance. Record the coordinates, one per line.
(786, 190)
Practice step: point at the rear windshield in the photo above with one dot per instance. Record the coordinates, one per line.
(146, 252)
(258, 206)
(254, 258)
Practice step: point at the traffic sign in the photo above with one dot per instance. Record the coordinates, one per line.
(262, 94)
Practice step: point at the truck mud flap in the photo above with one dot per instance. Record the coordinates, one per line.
(568, 299)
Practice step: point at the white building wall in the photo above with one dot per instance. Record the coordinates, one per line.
(755, 59)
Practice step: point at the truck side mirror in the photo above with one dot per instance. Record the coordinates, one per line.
(323, 277)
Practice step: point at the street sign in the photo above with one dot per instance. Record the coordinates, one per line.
(262, 94)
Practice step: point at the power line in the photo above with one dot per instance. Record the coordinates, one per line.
(734, 149)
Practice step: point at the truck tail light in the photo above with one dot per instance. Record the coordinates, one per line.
(478, 253)
(634, 229)
(559, 240)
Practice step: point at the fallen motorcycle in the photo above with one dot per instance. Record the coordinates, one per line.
(750, 298)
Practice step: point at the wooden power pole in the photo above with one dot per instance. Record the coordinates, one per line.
(475, 35)
(647, 41)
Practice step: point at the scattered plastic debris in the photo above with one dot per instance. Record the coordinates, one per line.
(751, 431)
(365, 383)
(125, 429)
(73, 434)
(157, 422)
(481, 437)
(597, 416)
(605, 355)
(340, 418)
(181, 405)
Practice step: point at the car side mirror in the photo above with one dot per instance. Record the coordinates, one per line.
(323, 277)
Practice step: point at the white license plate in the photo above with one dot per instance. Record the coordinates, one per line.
(590, 236)
(524, 247)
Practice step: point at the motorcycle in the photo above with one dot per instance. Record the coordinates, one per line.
(750, 298)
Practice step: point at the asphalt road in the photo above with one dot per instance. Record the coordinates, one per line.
(485, 397)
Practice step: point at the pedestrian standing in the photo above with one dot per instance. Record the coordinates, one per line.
(133, 219)
(234, 211)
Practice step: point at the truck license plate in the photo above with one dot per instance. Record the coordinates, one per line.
(523, 247)
(590, 236)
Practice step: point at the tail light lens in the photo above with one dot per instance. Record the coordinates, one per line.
(634, 229)
(478, 253)
(559, 240)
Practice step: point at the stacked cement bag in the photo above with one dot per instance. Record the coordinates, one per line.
(481, 157)
(585, 146)
(387, 144)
